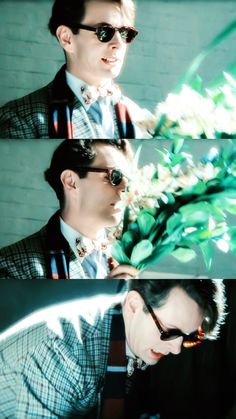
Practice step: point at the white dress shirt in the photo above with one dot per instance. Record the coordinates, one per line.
(95, 264)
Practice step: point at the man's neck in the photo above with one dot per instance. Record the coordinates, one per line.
(84, 228)
(90, 81)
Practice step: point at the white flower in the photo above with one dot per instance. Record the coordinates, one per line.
(206, 171)
(190, 114)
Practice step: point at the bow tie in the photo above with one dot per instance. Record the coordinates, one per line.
(135, 363)
(91, 94)
(86, 246)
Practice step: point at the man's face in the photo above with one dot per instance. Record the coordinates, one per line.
(179, 312)
(97, 198)
(92, 60)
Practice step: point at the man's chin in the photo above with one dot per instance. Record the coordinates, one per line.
(112, 73)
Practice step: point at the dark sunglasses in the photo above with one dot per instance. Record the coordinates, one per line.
(115, 176)
(106, 32)
(189, 341)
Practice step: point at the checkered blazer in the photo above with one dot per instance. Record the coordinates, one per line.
(52, 364)
(30, 258)
(32, 116)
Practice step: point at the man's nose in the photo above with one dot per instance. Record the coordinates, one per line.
(116, 40)
(175, 345)
(122, 186)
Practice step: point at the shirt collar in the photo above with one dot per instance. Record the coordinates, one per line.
(71, 235)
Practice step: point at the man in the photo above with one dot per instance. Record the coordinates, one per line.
(71, 360)
(82, 101)
(88, 177)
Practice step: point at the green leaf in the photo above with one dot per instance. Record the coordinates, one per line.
(136, 157)
(177, 146)
(145, 222)
(231, 80)
(197, 84)
(193, 214)
(219, 230)
(200, 187)
(158, 252)
(133, 226)
(207, 252)
(198, 236)
(128, 239)
(140, 252)
(126, 219)
(177, 159)
(173, 222)
(199, 213)
(232, 234)
(183, 254)
(118, 253)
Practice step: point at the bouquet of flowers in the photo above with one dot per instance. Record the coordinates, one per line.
(176, 205)
(192, 111)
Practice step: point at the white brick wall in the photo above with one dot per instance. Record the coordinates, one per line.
(171, 34)
(26, 200)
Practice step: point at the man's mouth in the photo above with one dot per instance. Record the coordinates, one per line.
(157, 355)
(110, 60)
(116, 206)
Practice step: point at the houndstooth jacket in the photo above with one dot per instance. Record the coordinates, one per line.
(32, 116)
(52, 364)
(31, 257)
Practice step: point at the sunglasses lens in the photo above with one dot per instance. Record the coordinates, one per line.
(166, 336)
(105, 33)
(128, 34)
(116, 177)
(191, 343)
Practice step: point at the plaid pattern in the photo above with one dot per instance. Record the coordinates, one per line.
(56, 366)
(45, 254)
(54, 112)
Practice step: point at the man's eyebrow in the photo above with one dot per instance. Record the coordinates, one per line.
(102, 24)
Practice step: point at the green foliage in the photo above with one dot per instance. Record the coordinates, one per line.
(208, 127)
(190, 216)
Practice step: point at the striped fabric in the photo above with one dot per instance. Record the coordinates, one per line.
(114, 391)
(124, 122)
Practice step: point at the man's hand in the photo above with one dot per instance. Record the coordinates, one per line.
(123, 272)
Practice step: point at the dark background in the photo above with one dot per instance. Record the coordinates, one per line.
(200, 383)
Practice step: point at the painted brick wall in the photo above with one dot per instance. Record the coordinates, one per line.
(171, 34)
(26, 200)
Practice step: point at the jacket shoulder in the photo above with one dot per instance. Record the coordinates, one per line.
(27, 117)
(26, 258)
(40, 97)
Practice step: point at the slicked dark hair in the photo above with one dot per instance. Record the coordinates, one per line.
(209, 294)
(72, 154)
(72, 12)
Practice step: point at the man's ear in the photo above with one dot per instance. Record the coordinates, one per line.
(133, 302)
(69, 179)
(65, 38)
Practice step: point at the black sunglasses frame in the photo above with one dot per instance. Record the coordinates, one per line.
(115, 176)
(189, 341)
(127, 33)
